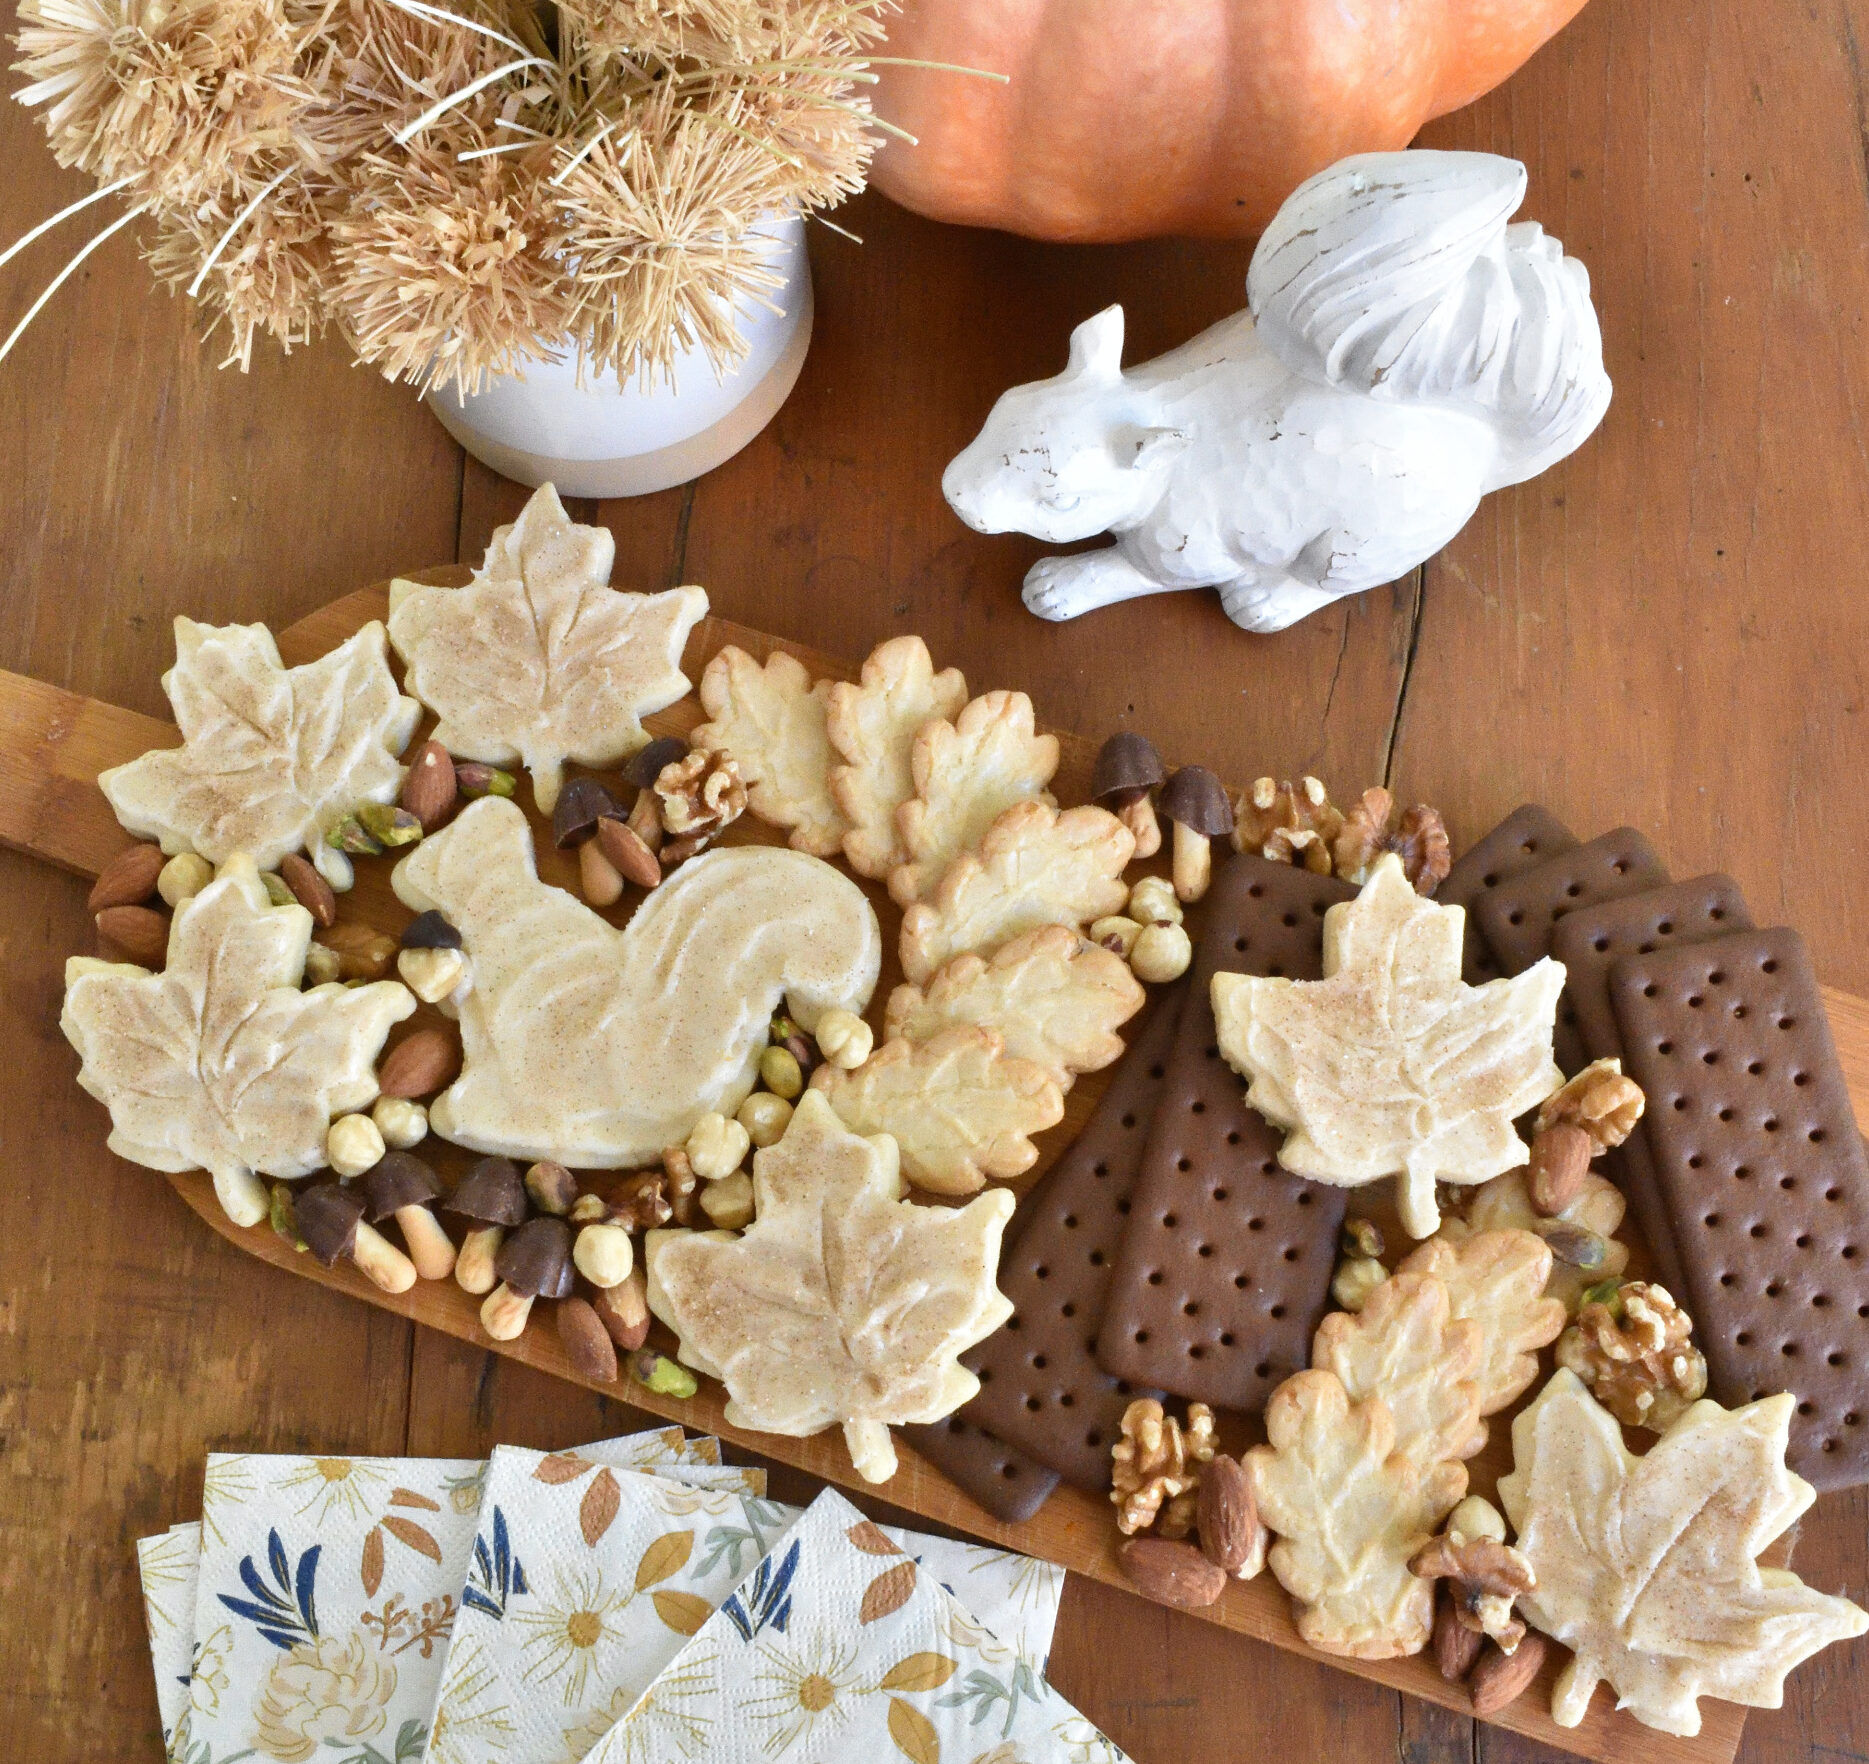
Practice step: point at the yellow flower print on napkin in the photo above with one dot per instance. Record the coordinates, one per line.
(330, 1687)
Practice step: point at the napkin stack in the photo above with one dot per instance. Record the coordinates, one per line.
(632, 1600)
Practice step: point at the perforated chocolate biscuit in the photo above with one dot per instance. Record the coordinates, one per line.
(1763, 1173)
(1006, 1483)
(1041, 1388)
(1590, 942)
(1226, 1266)
(1527, 837)
(1518, 917)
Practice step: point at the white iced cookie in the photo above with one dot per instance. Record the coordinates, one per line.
(220, 1062)
(597, 1047)
(1647, 1567)
(271, 757)
(538, 660)
(841, 1303)
(1391, 1065)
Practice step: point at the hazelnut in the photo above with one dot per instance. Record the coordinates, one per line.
(765, 1117)
(1152, 902)
(780, 1072)
(1116, 934)
(321, 965)
(728, 1203)
(353, 1145)
(1161, 953)
(603, 1254)
(183, 877)
(402, 1122)
(717, 1147)
(844, 1039)
(431, 974)
(553, 1188)
(1356, 1278)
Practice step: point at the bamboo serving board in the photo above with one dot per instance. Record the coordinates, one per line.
(54, 743)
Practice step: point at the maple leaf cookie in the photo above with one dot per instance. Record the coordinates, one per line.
(271, 757)
(538, 660)
(1391, 1065)
(841, 1302)
(220, 1062)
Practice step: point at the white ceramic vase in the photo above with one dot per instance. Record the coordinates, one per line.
(606, 439)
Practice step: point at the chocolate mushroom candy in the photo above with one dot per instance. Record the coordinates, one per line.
(330, 1220)
(406, 1187)
(646, 763)
(1128, 771)
(534, 1263)
(575, 814)
(1196, 802)
(492, 1199)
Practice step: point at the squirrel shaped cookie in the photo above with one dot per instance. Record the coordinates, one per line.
(598, 1047)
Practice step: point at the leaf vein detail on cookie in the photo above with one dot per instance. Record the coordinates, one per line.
(966, 774)
(772, 721)
(271, 757)
(539, 660)
(1391, 1064)
(1647, 1567)
(1036, 866)
(957, 1107)
(598, 1047)
(220, 1062)
(841, 1303)
(1051, 996)
(872, 724)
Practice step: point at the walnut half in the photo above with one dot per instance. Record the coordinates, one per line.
(1634, 1349)
(1157, 1467)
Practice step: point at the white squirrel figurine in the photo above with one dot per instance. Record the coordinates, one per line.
(1404, 350)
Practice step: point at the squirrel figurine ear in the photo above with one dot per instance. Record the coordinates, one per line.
(1097, 347)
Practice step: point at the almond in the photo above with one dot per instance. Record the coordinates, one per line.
(139, 932)
(590, 1349)
(1456, 1647)
(623, 1309)
(128, 879)
(420, 1064)
(624, 847)
(429, 790)
(362, 954)
(1231, 1535)
(309, 889)
(1499, 1678)
(1172, 1573)
(1560, 1161)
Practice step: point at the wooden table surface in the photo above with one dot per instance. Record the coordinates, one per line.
(1669, 630)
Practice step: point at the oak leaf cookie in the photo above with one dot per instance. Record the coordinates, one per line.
(966, 774)
(597, 1047)
(539, 660)
(1051, 996)
(271, 757)
(872, 724)
(1036, 866)
(956, 1106)
(841, 1303)
(220, 1062)
(772, 721)
(1647, 1567)
(1391, 1064)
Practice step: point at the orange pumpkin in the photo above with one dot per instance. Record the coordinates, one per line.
(1126, 119)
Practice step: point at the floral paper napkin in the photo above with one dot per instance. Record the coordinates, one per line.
(332, 1585)
(588, 1581)
(840, 1646)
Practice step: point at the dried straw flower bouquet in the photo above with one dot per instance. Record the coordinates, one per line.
(460, 187)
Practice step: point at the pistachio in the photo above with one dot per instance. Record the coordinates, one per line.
(658, 1373)
(283, 1216)
(765, 1117)
(1572, 1243)
(277, 893)
(780, 1072)
(1362, 1237)
(353, 838)
(728, 1203)
(475, 780)
(321, 965)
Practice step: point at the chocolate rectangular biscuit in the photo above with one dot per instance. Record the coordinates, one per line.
(1590, 942)
(1006, 1483)
(1225, 1268)
(1041, 1389)
(1527, 837)
(1759, 1163)
(1518, 917)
